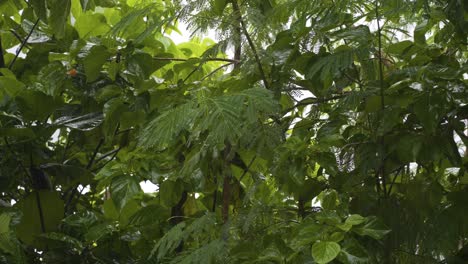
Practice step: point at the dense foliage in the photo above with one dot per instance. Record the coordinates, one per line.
(311, 131)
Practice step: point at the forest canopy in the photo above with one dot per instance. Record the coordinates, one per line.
(306, 131)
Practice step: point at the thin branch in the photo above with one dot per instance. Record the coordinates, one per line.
(251, 44)
(91, 161)
(216, 70)
(111, 159)
(18, 51)
(17, 36)
(107, 154)
(192, 72)
(41, 214)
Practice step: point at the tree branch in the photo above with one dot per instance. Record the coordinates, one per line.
(382, 101)
(18, 51)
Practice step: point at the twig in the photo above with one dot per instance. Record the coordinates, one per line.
(18, 51)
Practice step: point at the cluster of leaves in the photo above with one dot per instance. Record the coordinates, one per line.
(335, 134)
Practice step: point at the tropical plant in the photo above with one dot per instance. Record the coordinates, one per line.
(308, 132)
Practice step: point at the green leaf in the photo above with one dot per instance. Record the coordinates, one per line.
(53, 77)
(10, 85)
(355, 219)
(123, 188)
(35, 105)
(52, 210)
(219, 6)
(325, 252)
(329, 199)
(39, 7)
(58, 17)
(89, 25)
(93, 62)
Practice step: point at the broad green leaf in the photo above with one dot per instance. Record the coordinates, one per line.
(123, 188)
(355, 219)
(53, 77)
(93, 62)
(90, 25)
(39, 7)
(325, 252)
(58, 16)
(51, 209)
